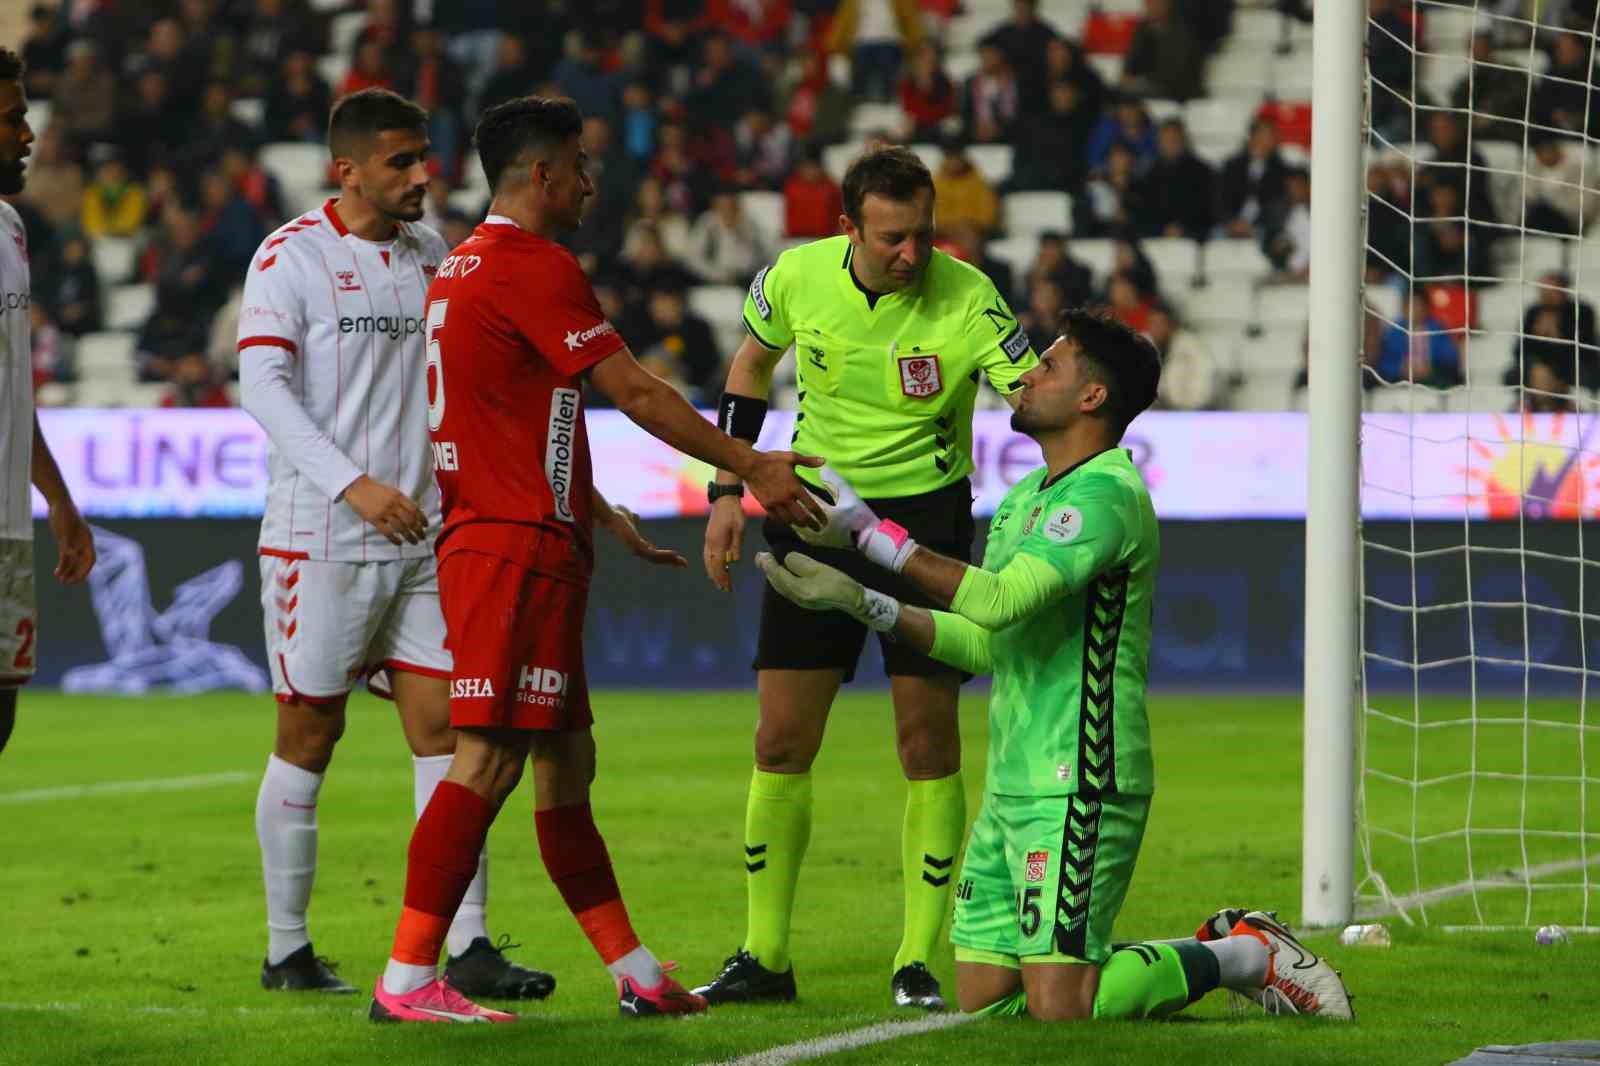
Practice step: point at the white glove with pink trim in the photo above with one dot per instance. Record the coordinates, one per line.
(851, 524)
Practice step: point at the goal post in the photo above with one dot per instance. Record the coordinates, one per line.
(1332, 646)
(1451, 761)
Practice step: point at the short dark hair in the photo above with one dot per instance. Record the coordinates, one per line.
(363, 115)
(894, 172)
(510, 130)
(10, 65)
(1123, 360)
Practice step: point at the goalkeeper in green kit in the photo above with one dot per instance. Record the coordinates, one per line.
(1060, 614)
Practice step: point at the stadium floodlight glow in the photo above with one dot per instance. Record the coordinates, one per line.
(1477, 799)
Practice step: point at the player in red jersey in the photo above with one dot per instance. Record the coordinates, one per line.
(512, 329)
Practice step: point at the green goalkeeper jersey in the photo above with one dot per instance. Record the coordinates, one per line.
(887, 384)
(1067, 714)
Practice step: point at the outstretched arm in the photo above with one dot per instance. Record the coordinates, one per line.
(819, 587)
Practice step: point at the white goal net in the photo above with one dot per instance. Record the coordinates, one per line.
(1479, 757)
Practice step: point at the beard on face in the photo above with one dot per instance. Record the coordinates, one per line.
(1031, 423)
(12, 178)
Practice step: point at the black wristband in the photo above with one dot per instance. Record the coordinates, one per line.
(741, 416)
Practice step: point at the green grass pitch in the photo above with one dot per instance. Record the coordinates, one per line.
(132, 926)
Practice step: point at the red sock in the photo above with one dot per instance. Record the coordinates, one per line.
(575, 855)
(442, 861)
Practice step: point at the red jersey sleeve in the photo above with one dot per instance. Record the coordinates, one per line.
(561, 317)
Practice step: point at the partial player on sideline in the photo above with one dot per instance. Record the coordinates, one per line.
(891, 340)
(1060, 614)
(331, 364)
(513, 331)
(24, 454)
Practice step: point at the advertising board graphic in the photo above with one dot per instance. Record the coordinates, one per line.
(1222, 465)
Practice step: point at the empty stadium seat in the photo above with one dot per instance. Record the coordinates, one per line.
(343, 29)
(1286, 304)
(252, 110)
(114, 258)
(1096, 253)
(1174, 260)
(333, 67)
(296, 163)
(1160, 110)
(1486, 397)
(1037, 212)
(932, 155)
(718, 304)
(1017, 251)
(1267, 390)
(1234, 260)
(1405, 398)
(39, 112)
(993, 161)
(878, 118)
(1485, 357)
(1530, 258)
(1260, 27)
(1221, 303)
(105, 357)
(1108, 67)
(836, 158)
(765, 209)
(1110, 32)
(1219, 119)
(129, 306)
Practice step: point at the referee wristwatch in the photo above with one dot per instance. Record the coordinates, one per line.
(715, 491)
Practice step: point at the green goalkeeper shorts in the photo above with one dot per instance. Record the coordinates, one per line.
(1045, 876)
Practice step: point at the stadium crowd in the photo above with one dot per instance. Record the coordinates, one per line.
(164, 117)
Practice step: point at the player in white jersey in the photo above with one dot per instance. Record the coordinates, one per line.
(24, 456)
(331, 363)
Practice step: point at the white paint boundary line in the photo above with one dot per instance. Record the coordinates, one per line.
(124, 788)
(1509, 879)
(185, 1012)
(828, 1045)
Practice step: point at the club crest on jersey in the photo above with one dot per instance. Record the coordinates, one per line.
(347, 280)
(919, 375)
(1038, 864)
(1033, 518)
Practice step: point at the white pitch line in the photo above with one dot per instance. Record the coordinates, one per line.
(123, 788)
(182, 1011)
(854, 1038)
(1508, 879)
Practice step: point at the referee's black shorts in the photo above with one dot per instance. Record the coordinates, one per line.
(793, 638)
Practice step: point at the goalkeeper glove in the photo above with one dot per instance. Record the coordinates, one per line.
(851, 524)
(819, 587)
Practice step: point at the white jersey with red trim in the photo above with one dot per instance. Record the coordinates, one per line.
(332, 365)
(16, 380)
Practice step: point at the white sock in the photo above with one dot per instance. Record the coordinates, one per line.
(286, 828)
(1242, 960)
(640, 965)
(402, 977)
(470, 922)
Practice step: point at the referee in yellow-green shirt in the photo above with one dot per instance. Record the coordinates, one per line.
(891, 340)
